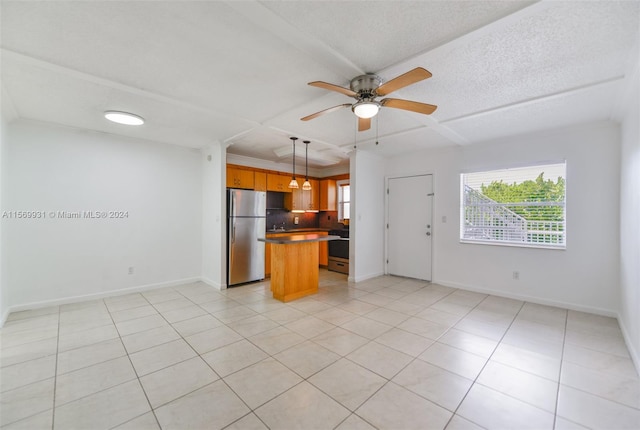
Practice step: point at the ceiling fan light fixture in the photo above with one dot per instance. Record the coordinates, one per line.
(366, 109)
(125, 118)
(367, 88)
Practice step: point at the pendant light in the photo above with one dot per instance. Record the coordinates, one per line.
(307, 185)
(294, 184)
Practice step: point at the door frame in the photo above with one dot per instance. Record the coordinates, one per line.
(386, 217)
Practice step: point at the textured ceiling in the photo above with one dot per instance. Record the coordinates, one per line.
(236, 72)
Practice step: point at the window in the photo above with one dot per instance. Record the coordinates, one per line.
(522, 206)
(344, 200)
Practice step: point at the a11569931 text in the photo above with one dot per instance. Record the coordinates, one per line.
(34, 215)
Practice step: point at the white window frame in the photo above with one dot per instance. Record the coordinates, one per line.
(339, 185)
(484, 221)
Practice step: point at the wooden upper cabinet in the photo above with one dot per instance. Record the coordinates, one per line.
(240, 178)
(322, 197)
(328, 195)
(313, 196)
(279, 183)
(294, 200)
(301, 200)
(260, 181)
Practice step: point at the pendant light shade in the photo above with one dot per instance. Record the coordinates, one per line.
(307, 185)
(294, 184)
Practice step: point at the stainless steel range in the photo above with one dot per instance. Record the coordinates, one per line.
(339, 252)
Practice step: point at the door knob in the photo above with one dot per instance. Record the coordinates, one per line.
(428, 234)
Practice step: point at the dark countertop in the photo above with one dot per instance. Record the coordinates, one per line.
(297, 230)
(299, 238)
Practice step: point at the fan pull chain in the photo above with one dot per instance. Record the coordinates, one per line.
(355, 135)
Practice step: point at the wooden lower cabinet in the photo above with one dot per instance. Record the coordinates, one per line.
(267, 253)
(267, 260)
(295, 272)
(323, 251)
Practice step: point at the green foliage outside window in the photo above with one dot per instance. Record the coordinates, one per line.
(529, 191)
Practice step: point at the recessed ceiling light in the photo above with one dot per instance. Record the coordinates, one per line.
(123, 117)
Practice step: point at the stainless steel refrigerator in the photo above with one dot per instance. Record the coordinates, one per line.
(246, 222)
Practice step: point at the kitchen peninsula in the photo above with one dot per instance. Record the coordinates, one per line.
(294, 265)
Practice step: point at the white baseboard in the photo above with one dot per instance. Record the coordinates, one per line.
(532, 299)
(214, 284)
(364, 277)
(635, 356)
(4, 317)
(95, 296)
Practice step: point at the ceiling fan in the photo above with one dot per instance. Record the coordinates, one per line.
(367, 88)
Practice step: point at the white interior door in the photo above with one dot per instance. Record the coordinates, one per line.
(409, 226)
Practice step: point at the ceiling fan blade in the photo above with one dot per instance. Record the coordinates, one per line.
(418, 107)
(322, 112)
(332, 87)
(411, 77)
(364, 124)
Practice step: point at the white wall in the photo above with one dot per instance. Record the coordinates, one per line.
(7, 114)
(4, 303)
(630, 222)
(366, 250)
(214, 256)
(62, 169)
(586, 274)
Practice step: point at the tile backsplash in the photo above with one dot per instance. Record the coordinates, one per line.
(280, 217)
(330, 220)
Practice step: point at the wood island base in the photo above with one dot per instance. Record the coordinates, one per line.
(294, 264)
(294, 270)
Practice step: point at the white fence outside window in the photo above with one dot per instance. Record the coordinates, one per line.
(534, 216)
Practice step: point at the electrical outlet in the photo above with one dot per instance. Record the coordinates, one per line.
(131, 270)
(516, 276)
(295, 220)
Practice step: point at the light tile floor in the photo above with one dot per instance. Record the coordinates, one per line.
(388, 353)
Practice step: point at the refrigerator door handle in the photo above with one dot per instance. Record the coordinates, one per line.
(232, 204)
(233, 231)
